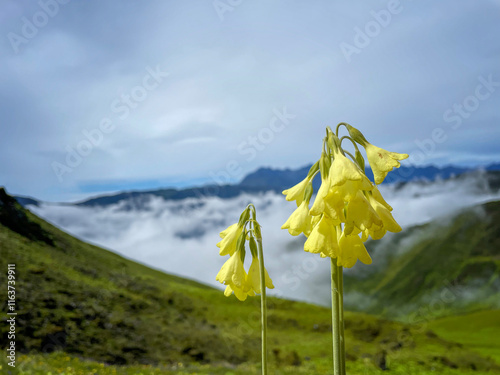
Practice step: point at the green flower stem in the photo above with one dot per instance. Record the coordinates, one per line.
(337, 368)
(263, 306)
(341, 317)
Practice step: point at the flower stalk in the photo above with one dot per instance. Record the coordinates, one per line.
(348, 209)
(233, 274)
(263, 307)
(337, 366)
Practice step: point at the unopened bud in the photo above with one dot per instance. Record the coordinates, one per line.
(356, 135)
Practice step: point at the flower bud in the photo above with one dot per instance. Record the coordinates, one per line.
(356, 135)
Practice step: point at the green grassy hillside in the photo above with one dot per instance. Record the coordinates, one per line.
(451, 265)
(85, 310)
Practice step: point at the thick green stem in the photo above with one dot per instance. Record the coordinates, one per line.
(263, 307)
(341, 318)
(337, 368)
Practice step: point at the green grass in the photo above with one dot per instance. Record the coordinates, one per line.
(479, 331)
(85, 310)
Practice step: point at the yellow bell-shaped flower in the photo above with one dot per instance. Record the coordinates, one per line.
(387, 219)
(240, 293)
(229, 240)
(379, 198)
(232, 271)
(382, 161)
(254, 276)
(296, 193)
(351, 248)
(360, 214)
(343, 170)
(299, 221)
(318, 206)
(323, 238)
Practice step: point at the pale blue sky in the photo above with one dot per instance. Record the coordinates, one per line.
(248, 85)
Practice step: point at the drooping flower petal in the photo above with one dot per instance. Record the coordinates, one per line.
(296, 193)
(299, 221)
(254, 277)
(351, 248)
(323, 238)
(343, 170)
(229, 239)
(318, 206)
(387, 219)
(382, 161)
(360, 214)
(232, 271)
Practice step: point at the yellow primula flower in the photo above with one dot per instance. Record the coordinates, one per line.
(350, 249)
(323, 238)
(343, 170)
(229, 240)
(296, 193)
(360, 214)
(232, 272)
(253, 279)
(299, 221)
(240, 293)
(387, 219)
(319, 202)
(379, 198)
(382, 161)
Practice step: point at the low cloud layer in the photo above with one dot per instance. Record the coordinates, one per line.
(179, 237)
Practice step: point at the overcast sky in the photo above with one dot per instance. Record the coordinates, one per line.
(102, 96)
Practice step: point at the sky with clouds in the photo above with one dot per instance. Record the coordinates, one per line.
(105, 96)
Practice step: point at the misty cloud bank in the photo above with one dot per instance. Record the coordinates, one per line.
(179, 237)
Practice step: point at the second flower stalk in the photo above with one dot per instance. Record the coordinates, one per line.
(233, 274)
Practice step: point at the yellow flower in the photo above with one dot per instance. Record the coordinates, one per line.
(351, 248)
(232, 271)
(343, 170)
(240, 293)
(319, 202)
(254, 277)
(379, 198)
(296, 193)
(229, 239)
(299, 221)
(323, 238)
(360, 214)
(387, 219)
(382, 161)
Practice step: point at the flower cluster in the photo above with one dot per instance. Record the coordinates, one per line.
(348, 208)
(233, 274)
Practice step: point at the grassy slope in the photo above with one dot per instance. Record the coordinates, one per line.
(90, 303)
(479, 330)
(445, 267)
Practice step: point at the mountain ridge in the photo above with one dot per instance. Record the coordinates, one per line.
(262, 180)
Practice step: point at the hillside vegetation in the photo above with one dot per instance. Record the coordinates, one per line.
(449, 266)
(83, 309)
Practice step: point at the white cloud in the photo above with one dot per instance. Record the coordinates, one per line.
(179, 236)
